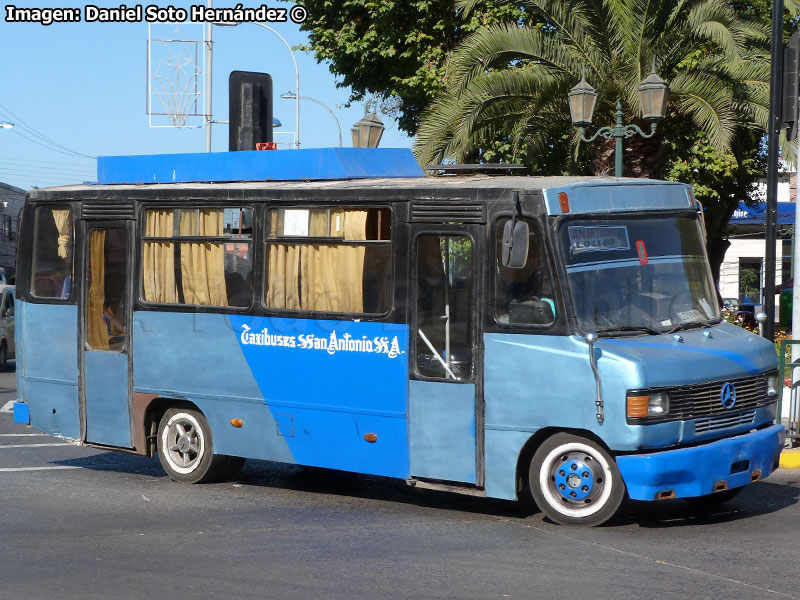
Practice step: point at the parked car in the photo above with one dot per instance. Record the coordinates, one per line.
(7, 344)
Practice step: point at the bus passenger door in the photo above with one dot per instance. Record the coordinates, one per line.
(446, 361)
(105, 335)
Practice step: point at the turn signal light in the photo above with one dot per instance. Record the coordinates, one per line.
(638, 406)
(237, 422)
(563, 201)
(371, 437)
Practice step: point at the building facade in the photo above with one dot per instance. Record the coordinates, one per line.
(11, 199)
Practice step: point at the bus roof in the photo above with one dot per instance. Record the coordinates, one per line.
(391, 170)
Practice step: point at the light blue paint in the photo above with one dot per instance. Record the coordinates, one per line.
(333, 382)
(197, 358)
(108, 420)
(442, 430)
(275, 165)
(22, 413)
(50, 374)
(536, 381)
(618, 196)
(694, 471)
(502, 450)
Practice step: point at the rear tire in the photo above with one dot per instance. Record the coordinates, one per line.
(186, 449)
(575, 481)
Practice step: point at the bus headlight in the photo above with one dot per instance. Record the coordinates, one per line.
(772, 385)
(649, 405)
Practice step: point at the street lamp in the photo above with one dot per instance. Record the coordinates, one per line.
(296, 80)
(367, 132)
(292, 96)
(653, 97)
(6, 125)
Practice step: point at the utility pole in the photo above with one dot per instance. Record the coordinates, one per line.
(773, 133)
(209, 58)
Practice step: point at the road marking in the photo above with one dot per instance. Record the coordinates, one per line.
(32, 445)
(23, 434)
(8, 407)
(18, 469)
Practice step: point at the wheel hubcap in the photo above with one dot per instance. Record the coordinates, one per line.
(574, 479)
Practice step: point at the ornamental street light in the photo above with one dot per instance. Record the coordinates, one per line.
(367, 132)
(653, 97)
(292, 96)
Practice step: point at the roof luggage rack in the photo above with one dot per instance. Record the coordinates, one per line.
(471, 169)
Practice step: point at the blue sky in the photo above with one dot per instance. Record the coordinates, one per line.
(83, 87)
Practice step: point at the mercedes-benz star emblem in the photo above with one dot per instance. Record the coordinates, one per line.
(728, 396)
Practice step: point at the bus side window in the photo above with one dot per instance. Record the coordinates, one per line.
(52, 252)
(198, 256)
(524, 296)
(336, 260)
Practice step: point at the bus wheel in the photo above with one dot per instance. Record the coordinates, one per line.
(575, 481)
(186, 450)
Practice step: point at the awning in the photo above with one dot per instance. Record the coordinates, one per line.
(756, 215)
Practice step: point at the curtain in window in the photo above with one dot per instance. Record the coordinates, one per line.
(97, 328)
(203, 263)
(61, 218)
(327, 278)
(158, 259)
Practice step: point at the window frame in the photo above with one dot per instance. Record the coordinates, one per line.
(450, 230)
(194, 204)
(493, 261)
(328, 241)
(31, 296)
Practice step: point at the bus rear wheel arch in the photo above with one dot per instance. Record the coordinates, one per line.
(186, 448)
(573, 480)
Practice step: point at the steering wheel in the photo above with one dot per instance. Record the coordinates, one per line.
(683, 298)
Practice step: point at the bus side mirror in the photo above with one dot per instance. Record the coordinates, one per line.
(515, 244)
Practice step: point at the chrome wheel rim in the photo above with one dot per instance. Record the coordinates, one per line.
(183, 443)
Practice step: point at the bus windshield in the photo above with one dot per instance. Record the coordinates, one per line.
(638, 275)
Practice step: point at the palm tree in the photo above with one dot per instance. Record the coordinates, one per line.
(511, 80)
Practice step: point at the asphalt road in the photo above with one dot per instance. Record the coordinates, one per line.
(81, 523)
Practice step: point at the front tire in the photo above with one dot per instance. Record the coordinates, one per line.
(575, 481)
(186, 449)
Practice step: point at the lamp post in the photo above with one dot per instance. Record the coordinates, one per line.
(367, 132)
(292, 96)
(296, 81)
(6, 125)
(653, 97)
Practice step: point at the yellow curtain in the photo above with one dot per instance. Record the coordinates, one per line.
(158, 259)
(203, 263)
(332, 276)
(326, 278)
(282, 281)
(97, 328)
(61, 218)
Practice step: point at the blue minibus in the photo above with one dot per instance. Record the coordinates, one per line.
(488, 334)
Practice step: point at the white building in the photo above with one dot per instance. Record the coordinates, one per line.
(10, 207)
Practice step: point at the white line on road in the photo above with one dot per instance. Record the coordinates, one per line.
(32, 445)
(18, 469)
(8, 407)
(23, 434)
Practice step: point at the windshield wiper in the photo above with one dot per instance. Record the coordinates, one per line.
(693, 325)
(627, 328)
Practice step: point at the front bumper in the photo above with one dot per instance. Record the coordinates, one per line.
(701, 470)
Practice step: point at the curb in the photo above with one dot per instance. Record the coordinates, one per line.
(790, 459)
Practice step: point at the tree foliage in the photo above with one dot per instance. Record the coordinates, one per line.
(396, 50)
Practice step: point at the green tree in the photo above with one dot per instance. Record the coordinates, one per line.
(514, 78)
(395, 50)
